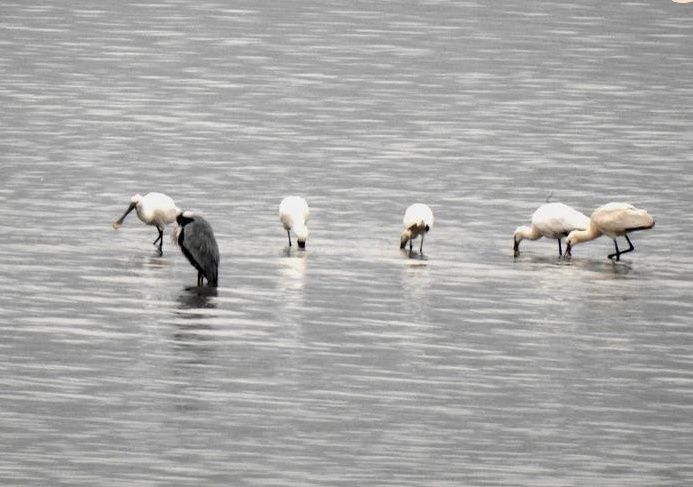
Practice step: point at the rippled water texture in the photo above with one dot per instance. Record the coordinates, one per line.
(350, 363)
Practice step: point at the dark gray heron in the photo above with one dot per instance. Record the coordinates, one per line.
(196, 240)
(154, 209)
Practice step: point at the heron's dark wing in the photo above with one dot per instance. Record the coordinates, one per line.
(199, 242)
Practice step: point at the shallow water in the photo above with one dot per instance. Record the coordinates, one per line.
(351, 363)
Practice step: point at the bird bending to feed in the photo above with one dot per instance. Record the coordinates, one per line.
(197, 242)
(418, 220)
(294, 213)
(613, 220)
(551, 220)
(154, 209)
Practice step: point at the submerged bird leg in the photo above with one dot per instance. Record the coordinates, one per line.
(616, 254)
(288, 232)
(199, 279)
(560, 249)
(421, 246)
(411, 246)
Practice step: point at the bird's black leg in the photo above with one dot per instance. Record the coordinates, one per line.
(199, 279)
(161, 241)
(616, 254)
(630, 246)
(288, 232)
(421, 246)
(161, 233)
(560, 249)
(411, 246)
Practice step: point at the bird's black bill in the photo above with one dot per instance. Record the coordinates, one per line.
(645, 227)
(119, 222)
(301, 245)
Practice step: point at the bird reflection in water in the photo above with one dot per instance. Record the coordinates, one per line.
(193, 332)
(292, 270)
(196, 298)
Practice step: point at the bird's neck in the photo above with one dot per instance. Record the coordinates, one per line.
(530, 233)
(590, 233)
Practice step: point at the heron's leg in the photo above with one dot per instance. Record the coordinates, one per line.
(616, 254)
(288, 232)
(560, 249)
(421, 246)
(199, 279)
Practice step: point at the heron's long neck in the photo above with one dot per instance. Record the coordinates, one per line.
(590, 233)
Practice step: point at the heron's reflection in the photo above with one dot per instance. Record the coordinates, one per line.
(192, 333)
(193, 302)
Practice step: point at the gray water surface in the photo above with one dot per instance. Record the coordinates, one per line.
(351, 363)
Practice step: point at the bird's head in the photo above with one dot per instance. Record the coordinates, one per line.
(185, 217)
(404, 237)
(302, 235)
(518, 236)
(135, 199)
(570, 241)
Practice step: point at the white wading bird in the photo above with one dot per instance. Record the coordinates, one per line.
(197, 242)
(613, 220)
(418, 220)
(154, 209)
(551, 220)
(294, 213)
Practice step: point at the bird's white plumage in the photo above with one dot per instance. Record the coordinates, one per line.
(616, 219)
(551, 220)
(294, 214)
(156, 209)
(417, 216)
(556, 220)
(418, 220)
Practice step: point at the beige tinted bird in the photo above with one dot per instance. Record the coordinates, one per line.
(613, 220)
